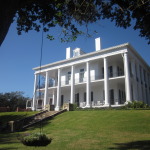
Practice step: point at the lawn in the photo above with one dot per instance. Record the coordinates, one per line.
(90, 130)
(9, 116)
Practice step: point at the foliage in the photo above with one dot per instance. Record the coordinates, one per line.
(36, 139)
(13, 100)
(136, 104)
(123, 12)
(101, 108)
(74, 106)
(69, 15)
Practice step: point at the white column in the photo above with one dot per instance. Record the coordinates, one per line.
(127, 78)
(57, 108)
(106, 84)
(34, 92)
(53, 98)
(88, 91)
(72, 85)
(46, 88)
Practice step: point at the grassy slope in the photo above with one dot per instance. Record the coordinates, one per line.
(9, 116)
(102, 130)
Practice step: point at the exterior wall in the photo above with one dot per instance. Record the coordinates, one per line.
(139, 79)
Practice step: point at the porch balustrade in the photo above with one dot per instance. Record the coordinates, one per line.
(81, 80)
(53, 84)
(116, 74)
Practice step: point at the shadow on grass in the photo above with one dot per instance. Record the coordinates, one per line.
(139, 145)
(38, 125)
(7, 139)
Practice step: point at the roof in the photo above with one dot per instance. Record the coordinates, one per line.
(102, 51)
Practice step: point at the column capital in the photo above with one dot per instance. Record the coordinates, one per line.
(125, 53)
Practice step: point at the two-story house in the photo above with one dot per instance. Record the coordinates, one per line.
(105, 77)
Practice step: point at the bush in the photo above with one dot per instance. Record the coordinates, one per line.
(136, 104)
(36, 139)
(75, 106)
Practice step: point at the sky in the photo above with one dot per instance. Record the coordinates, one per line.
(19, 54)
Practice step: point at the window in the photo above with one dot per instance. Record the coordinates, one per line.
(102, 72)
(110, 71)
(144, 73)
(84, 96)
(119, 71)
(104, 94)
(120, 98)
(81, 75)
(136, 73)
(62, 100)
(69, 75)
(111, 95)
(140, 73)
(91, 96)
(130, 69)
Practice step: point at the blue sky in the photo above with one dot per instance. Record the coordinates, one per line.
(19, 54)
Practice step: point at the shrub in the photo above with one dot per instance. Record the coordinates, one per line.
(136, 104)
(36, 139)
(74, 106)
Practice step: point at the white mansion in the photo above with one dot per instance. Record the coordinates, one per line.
(105, 77)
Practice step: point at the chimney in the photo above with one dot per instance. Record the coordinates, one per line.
(68, 53)
(98, 44)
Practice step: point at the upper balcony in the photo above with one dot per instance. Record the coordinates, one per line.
(82, 79)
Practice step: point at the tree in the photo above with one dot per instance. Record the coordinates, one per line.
(69, 14)
(13, 100)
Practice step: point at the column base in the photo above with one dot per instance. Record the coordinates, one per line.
(88, 106)
(106, 105)
(57, 108)
(33, 109)
(127, 102)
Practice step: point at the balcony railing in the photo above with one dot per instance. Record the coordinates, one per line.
(116, 74)
(67, 82)
(41, 86)
(83, 79)
(53, 84)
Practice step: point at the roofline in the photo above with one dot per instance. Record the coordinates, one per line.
(138, 55)
(95, 52)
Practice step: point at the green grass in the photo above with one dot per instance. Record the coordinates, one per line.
(9, 116)
(91, 130)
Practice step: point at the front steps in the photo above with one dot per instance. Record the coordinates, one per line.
(41, 117)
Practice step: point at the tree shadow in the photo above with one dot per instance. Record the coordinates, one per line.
(139, 145)
(7, 139)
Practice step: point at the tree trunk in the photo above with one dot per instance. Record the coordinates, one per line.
(8, 9)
